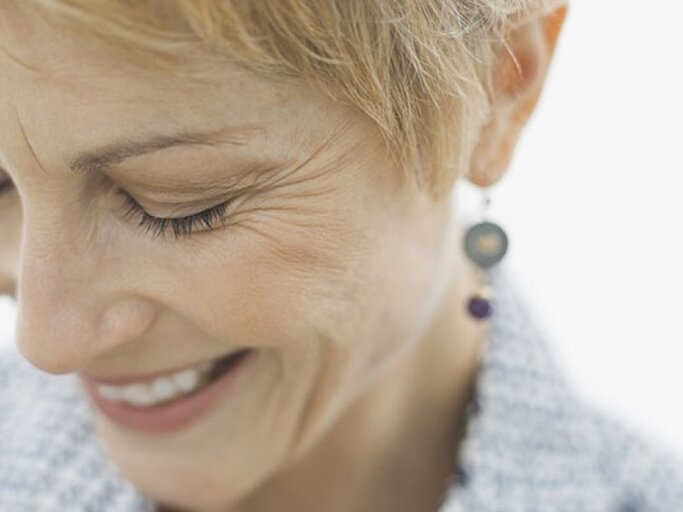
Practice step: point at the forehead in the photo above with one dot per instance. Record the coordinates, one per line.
(66, 59)
(84, 96)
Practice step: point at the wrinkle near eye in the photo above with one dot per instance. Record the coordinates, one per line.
(196, 185)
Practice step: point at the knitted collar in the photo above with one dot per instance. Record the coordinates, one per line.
(534, 444)
(529, 441)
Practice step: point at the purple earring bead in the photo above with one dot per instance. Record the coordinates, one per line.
(480, 307)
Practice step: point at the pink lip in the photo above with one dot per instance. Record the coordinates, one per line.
(170, 417)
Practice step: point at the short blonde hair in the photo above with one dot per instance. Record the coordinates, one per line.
(416, 68)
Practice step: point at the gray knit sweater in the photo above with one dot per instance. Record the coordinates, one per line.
(532, 444)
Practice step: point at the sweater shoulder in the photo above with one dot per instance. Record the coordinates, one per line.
(644, 474)
(50, 459)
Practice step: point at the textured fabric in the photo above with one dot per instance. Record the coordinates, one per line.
(535, 446)
(532, 445)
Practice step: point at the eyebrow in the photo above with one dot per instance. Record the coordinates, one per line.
(109, 155)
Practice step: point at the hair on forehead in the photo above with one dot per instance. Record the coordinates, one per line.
(417, 68)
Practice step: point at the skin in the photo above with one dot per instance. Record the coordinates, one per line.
(347, 280)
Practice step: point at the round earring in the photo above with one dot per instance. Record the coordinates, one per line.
(485, 244)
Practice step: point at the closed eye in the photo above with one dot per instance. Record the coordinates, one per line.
(205, 220)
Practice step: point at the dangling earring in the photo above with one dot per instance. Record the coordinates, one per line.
(485, 245)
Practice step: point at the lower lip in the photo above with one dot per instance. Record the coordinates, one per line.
(175, 415)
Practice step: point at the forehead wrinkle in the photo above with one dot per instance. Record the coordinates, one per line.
(28, 142)
(99, 159)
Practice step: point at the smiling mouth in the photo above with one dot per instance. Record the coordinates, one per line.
(169, 402)
(170, 387)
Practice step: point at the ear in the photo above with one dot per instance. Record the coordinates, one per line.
(516, 82)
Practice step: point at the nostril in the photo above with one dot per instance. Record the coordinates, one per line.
(54, 340)
(64, 336)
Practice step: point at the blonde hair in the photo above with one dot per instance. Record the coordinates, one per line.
(417, 68)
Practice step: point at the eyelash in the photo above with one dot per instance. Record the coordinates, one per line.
(181, 226)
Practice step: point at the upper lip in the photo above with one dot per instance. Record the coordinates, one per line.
(128, 379)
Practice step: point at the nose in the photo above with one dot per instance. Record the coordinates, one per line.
(9, 249)
(72, 308)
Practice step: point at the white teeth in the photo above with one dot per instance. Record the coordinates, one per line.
(161, 389)
(186, 380)
(138, 394)
(110, 392)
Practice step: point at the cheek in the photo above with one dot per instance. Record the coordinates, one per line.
(347, 270)
(274, 286)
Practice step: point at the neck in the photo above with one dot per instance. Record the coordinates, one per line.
(395, 448)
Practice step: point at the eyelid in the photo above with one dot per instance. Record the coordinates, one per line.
(246, 176)
(173, 209)
(182, 226)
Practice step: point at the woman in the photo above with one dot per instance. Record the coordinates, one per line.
(229, 230)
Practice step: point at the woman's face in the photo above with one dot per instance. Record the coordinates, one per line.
(328, 265)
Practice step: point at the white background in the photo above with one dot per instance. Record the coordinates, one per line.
(593, 207)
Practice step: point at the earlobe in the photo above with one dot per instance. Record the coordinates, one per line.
(516, 83)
